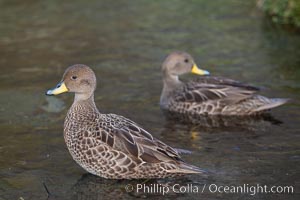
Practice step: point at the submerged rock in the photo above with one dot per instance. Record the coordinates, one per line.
(53, 105)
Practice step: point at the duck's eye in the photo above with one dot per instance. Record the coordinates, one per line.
(186, 60)
(74, 77)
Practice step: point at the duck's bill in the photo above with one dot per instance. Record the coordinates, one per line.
(60, 88)
(196, 70)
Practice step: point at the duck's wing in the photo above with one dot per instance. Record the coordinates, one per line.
(225, 81)
(214, 88)
(126, 136)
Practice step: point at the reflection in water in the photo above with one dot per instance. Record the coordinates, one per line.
(90, 187)
(221, 123)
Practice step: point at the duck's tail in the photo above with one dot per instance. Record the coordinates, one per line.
(184, 168)
(271, 103)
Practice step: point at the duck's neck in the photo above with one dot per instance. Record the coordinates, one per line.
(170, 83)
(79, 118)
(84, 104)
(82, 110)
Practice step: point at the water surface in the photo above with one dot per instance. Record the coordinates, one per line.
(125, 43)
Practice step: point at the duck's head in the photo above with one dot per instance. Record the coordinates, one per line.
(178, 63)
(79, 79)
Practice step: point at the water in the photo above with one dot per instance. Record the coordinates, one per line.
(125, 43)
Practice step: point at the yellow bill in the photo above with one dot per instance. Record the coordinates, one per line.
(196, 70)
(60, 88)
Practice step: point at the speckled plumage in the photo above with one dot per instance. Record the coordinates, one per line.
(208, 95)
(109, 145)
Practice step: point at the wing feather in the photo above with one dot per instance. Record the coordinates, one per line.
(214, 88)
(130, 138)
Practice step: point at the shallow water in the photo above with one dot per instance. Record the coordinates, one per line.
(125, 43)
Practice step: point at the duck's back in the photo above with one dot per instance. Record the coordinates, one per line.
(219, 96)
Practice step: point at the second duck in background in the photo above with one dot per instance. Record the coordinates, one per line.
(208, 95)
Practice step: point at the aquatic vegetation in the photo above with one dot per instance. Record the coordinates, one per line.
(282, 11)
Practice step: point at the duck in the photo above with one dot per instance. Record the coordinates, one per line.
(109, 145)
(208, 95)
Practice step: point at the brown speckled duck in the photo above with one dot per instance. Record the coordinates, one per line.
(208, 95)
(109, 145)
